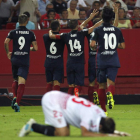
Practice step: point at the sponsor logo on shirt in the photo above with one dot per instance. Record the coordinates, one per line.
(108, 52)
(76, 54)
(20, 53)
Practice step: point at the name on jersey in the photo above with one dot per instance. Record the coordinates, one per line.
(109, 29)
(73, 35)
(22, 32)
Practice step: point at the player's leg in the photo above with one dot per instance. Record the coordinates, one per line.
(111, 76)
(70, 78)
(49, 78)
(101, 78)
(58, 76)
(14, 84)
(79, 78)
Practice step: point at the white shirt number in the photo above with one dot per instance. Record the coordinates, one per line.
(110, 41)
(53, 49)
(21, 42)
(75, 46)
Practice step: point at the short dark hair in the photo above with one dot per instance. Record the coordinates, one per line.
(22, 18)
(118, 2)
(64, 10)
(27, 13)
(82, 10)
(54, 25)
(108, 125)
(49, 11)
(96, 2)
(72, 24)
(107, 14)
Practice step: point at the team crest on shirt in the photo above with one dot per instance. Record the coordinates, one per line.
(59, 120)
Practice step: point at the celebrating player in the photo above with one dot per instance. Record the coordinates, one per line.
(109, 39)
(54, 59)
(91, 62)
(75, 45)
(62, 110)
(22, 40)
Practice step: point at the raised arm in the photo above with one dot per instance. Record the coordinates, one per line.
(6, 46)
(35, 46)
(92, 15)
(116, 15)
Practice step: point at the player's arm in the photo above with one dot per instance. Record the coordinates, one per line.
(92, 15)
(35, 46)
(121, 45)
(6, 46)
(53, 36)
(116, 15)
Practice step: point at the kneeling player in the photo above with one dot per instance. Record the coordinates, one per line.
(62, 110)
(54, 68)
(22, 40)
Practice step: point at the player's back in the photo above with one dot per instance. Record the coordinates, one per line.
(54, 49)
(108, 38)
(76, 111)
(75, 45)
(22, 40)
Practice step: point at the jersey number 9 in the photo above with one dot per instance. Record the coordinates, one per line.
(21, 42)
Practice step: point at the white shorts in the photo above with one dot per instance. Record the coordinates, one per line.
(52, 112)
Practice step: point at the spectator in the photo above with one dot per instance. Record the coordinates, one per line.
(122, 23)
(80, 4)
(130, 4)
(137, 3)
(42, 6)
(118, 4)
(73, 13)
(89, 2)
(50, 17)
(95, 5)
(64, 22)
(32, 7)
(30, 25)
(15, 1)
(6, 12)
(82, 15)
(102, 4)
(48, 7)
(59, 5)
(111, 3)
(136, 14)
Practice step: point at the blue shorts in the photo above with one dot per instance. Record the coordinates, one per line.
(21, 71)
(75, 74)
(103, 74)
(54, 72)
(91, 71)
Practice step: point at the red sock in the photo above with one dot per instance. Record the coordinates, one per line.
(102, 98)
(14, 88)
(111, 89)
(90, 93)
(71, 90)
(79, 88)
(49, 87)
(20, 92)
(56, 87)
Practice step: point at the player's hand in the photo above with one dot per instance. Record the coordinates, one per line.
(9, 55)
(50, 33)
(94, 13)
(9, 20)
(121, 133)
(115, 7)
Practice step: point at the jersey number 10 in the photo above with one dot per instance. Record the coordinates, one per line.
(110, 41)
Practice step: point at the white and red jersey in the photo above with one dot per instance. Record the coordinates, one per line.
(64, 109)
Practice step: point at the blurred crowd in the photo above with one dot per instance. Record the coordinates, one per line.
(41, 12)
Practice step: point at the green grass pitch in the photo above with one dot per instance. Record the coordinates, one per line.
(127, 118)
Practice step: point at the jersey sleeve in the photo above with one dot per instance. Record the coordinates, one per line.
(63, 36)
(85, 32)
(121, 39)
(94, 35)
(33, 37)
(10, 35)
